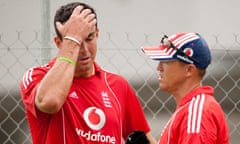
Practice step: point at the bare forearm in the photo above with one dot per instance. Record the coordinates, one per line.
(54, 87)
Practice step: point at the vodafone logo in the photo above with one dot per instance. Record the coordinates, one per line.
(94, 117)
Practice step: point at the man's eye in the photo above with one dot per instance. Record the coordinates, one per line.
(89, 38)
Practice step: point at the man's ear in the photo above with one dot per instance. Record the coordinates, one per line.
(190, 70)
(57, 41)
(97, 31)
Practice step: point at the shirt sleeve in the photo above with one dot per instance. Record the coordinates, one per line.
(28, 88)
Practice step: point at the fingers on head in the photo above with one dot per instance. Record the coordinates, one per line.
(77, 10)
(80, 10)
(91, 17)
(58, 25)
(86, 13)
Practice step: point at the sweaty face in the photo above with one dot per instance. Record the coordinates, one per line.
(87, 56)
(171, 75)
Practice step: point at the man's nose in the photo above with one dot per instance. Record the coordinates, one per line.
(160, 67)
(83, 47)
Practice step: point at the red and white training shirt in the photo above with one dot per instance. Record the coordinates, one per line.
(198, 119)
(101, 109)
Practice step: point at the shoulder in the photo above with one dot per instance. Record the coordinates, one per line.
(34, 74)
(109, 75)
(40, 69)
(201, 107)
(212, 105)
(118, 84)
(206, 110)
(204, 104)
(114, 77)
(33, 71)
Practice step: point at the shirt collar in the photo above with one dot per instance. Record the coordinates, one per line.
(97, 69)
(208, 90)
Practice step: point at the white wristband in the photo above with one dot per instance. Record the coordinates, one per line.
(73, 39)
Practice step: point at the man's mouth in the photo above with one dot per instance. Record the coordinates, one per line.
(84, 60)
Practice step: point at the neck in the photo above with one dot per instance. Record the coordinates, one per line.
(184, 91)
(86, 74)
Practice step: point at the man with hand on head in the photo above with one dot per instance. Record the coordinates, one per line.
(198, 119)
(72, 100)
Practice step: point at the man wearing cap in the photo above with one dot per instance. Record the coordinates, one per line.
(198, 119)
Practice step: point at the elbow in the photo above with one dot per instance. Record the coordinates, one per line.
(48, 105)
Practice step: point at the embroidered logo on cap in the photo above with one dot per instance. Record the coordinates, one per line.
(188, 51)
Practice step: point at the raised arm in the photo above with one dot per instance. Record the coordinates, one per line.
(53, 89)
